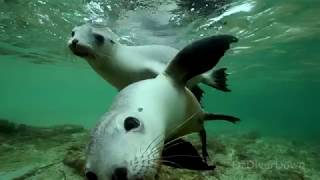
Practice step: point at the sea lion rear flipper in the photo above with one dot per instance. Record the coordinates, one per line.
(217, 79)
(198, 57)
(211, 116)
(182, 154)
(203, 138)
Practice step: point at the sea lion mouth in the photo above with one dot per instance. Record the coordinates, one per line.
(79, 50)
(81, 54)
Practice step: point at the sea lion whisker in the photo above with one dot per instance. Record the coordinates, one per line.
(167, 161)
(147, 165)
(183, 123)
(155, 149)
(178, 126)
(150, 145)
(180, 156)
(170, 146)
(167, 147)
(174, 155)
(180, 137)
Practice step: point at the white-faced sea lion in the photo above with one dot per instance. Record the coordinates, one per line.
(132, 138)
(122, 65)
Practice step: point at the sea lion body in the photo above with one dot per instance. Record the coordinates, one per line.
(118, 72)
(174, 113)
(121, 65)
(130, 141)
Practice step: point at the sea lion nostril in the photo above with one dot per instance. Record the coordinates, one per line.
(74, 42)
(120, 174)
(91, 176)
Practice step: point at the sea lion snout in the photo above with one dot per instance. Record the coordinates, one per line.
(74, 42)
(78, 48)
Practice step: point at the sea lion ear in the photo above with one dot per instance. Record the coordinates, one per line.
(99, 38)
(113, 37)
(198, 57)
(182, 154)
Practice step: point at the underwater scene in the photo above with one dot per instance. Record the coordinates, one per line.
(164, 90)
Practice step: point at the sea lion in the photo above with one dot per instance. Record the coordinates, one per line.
(143, 126)
(121, 65)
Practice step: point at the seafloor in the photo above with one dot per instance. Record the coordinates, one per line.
(56, 153)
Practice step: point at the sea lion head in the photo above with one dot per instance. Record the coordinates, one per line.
(124, 147)
(92, 41)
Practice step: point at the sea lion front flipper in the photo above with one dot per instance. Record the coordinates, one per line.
(197, 92)
(211, 116)
(182, 154)
(198, 57)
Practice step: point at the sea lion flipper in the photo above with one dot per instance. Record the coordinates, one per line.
(182, 154)
(217, 79)
(203, 138)
(198, 92)
(211, 116)
(198, 57)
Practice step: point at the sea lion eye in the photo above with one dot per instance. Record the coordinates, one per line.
(91, 176)
(131, 123)
(72, 33)
(99, 38)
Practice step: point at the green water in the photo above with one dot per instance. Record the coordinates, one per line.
(275, 67)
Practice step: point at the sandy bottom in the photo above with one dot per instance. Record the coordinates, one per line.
(56, 153)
